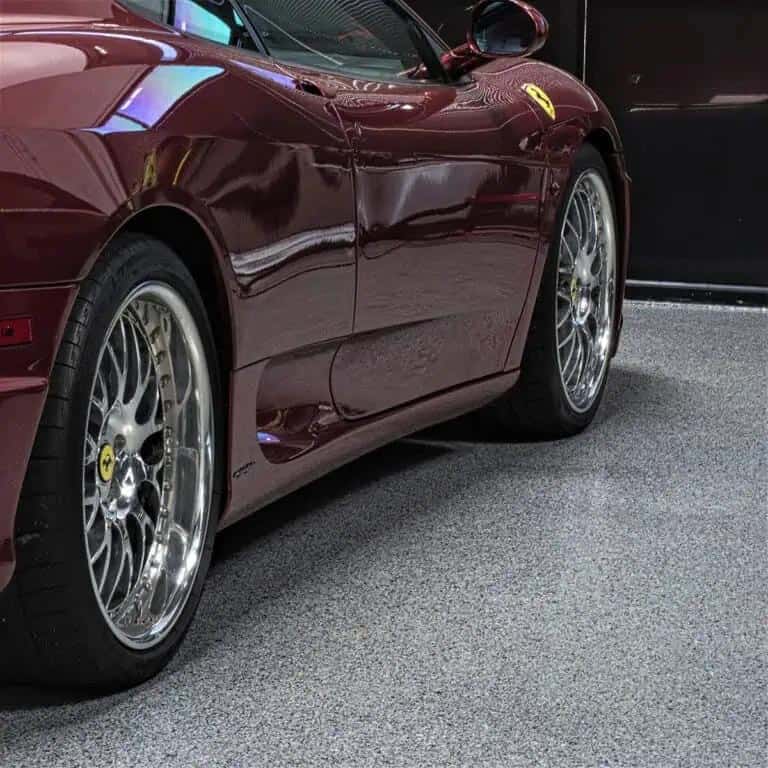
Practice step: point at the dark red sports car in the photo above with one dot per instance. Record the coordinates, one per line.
(245, 241)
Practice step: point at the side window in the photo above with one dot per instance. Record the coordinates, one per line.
(364, 37)
(214, 20)
(156, 10)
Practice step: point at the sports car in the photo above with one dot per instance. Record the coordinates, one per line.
(245, 241)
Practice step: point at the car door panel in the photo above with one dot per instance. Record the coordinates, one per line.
(448, 187)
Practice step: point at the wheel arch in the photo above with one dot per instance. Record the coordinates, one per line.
(191, 241)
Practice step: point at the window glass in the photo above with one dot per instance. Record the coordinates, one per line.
(214, 20)
(157, 10)
(364, 37)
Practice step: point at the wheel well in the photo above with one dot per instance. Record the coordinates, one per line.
(603, 142)
(184, 234)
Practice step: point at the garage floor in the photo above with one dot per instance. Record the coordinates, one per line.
(455, 600)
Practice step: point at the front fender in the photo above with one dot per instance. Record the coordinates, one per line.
(64, 194)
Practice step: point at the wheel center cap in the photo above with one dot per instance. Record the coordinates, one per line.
(106, 463)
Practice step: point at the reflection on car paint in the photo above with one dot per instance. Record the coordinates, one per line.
(155, 96)
(302, 244)
(168, 52)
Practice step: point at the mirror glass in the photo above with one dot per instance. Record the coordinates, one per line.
(503, 29)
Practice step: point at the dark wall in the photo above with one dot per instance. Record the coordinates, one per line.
(687, 82)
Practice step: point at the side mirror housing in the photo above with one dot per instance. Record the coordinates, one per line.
(507, 28)
(510, 28)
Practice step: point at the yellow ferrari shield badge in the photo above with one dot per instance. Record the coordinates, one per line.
(106, 463)
(541, 98)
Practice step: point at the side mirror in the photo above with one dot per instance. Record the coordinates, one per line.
(506, 28)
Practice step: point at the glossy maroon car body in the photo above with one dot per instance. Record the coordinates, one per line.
(370, 261)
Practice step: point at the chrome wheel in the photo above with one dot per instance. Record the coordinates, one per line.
(586, 291)
(147, 465)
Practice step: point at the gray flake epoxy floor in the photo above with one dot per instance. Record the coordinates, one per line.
(454, 600)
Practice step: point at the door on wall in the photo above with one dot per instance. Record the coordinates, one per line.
(688, 86)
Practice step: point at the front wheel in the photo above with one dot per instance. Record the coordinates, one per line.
(568, 352)
(119, 506)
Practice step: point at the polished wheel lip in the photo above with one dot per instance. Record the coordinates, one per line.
(156, 329)
(586, 291)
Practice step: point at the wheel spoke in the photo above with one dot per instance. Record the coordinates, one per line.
(93, 503)
(583, 207)
(589, 351)
(571, 254)
(104, 546)
(101, 400)
(108, 556)
(91, 450)
(119, 574)
(590, 217)
(578, 360)
(143, 533)
(118, 367)
(567, 339)
(581, 217)
(135, 353)
(570, 355)
(575, 231)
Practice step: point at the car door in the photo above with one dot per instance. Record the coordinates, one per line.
(447, 178)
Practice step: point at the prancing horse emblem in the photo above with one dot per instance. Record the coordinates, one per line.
(106, 463)
(541, 98)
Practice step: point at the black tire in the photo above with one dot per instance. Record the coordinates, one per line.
(537, 407)
(55, 630)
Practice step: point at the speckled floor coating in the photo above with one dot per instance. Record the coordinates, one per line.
(455, 600)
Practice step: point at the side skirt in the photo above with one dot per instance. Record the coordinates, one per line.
(294, 440)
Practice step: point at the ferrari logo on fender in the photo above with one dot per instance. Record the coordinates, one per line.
(541, 98)
(106, 463)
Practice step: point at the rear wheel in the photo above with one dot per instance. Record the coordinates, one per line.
(120, 502)
(568, 352)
